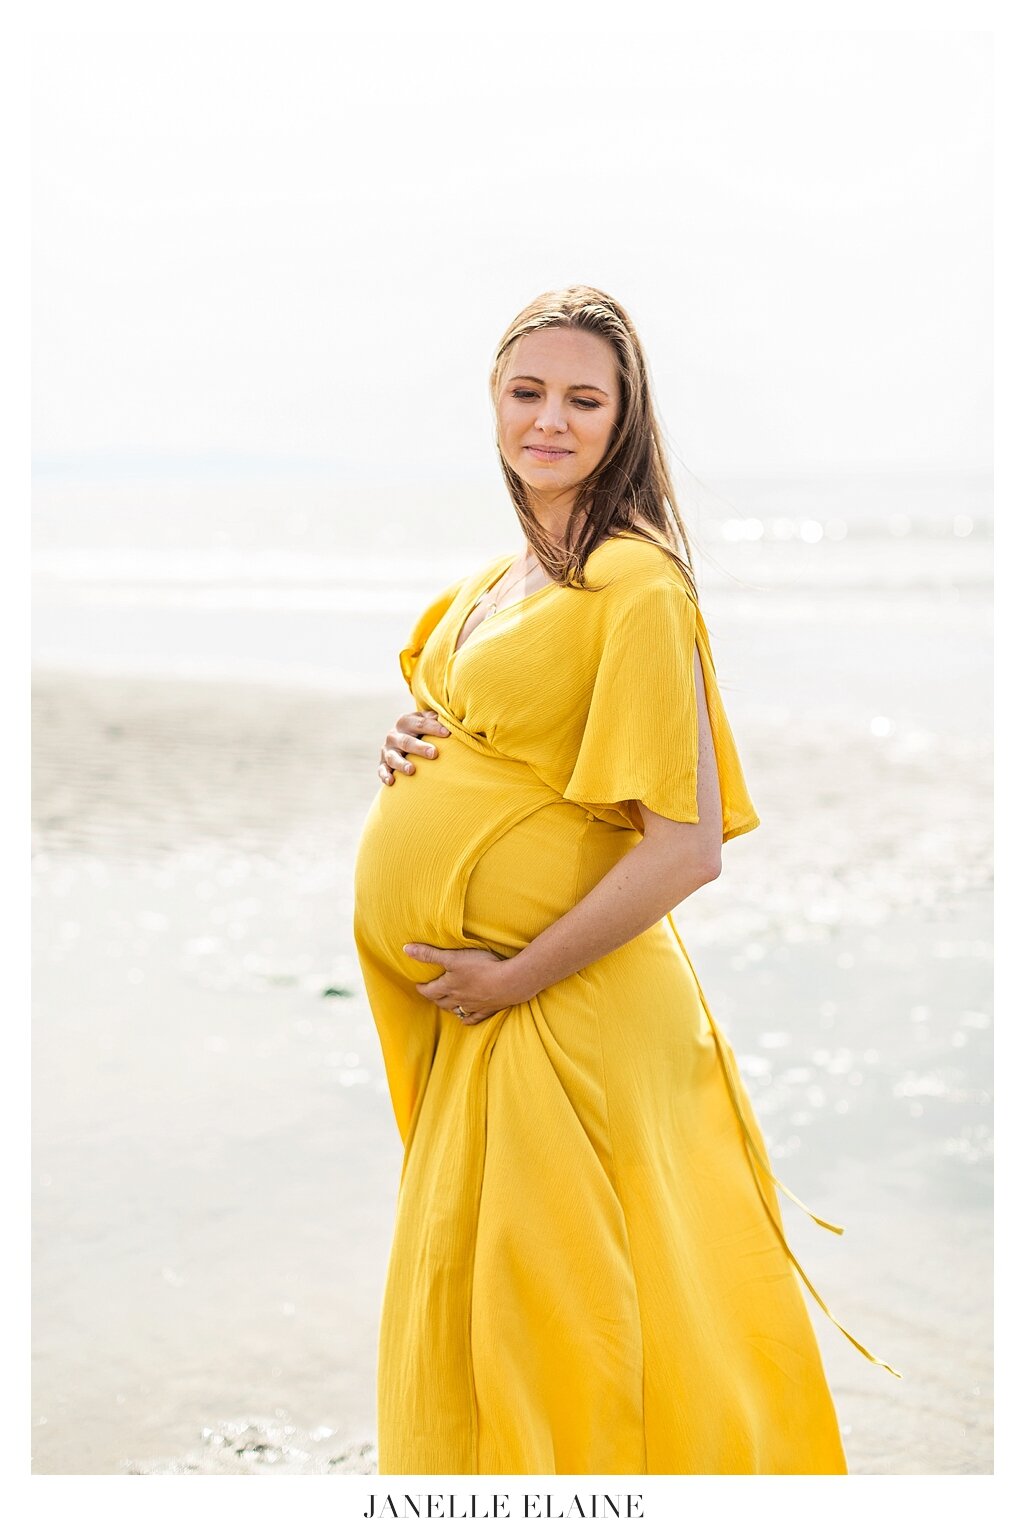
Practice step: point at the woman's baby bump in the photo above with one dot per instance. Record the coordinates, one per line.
(423, 837)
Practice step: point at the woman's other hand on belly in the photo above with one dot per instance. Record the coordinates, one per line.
(404, 740)
(475, 982)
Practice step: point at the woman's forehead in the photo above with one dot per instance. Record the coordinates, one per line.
(551, 355)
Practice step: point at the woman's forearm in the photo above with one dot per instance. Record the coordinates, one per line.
(632, 896)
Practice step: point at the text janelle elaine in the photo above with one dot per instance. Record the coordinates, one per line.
(499, 1507)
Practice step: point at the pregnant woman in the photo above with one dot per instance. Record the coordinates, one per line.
(589, 1272)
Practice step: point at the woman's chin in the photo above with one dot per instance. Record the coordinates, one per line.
(546, 480)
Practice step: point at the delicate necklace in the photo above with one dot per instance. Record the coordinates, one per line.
(492, 606)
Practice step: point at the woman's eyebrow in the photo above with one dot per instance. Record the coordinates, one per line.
(525, 377)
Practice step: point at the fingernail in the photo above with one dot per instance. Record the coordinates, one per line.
(431, 750)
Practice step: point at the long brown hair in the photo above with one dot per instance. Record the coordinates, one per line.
(631, 486)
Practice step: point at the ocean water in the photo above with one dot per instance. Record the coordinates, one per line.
(865, 592)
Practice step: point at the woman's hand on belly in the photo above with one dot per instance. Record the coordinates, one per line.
(404, 740)
(478, 982)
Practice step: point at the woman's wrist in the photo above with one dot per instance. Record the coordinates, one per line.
(545, 961)
(517, 981)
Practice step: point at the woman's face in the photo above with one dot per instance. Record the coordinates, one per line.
(557, 406)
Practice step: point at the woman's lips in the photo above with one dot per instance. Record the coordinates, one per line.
(549, 454)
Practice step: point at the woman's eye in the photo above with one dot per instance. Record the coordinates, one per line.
(529, 393)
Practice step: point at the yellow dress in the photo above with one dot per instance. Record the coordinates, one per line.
(588, 1272)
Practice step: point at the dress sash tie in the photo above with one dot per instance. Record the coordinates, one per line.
(753, 1155)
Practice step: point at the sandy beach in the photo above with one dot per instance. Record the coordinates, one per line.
(215, 1160)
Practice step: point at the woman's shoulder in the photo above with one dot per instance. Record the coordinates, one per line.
(632, 562)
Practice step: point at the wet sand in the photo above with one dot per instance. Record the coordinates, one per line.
(215, 1160)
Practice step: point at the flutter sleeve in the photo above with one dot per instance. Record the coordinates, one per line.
(424, 627)
(639, 736)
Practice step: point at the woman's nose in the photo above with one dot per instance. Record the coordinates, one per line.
(550, 418)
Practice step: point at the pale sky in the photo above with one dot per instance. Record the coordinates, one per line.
(302, 247)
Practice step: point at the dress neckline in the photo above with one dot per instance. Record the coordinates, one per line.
(512, 606)
(457, 647)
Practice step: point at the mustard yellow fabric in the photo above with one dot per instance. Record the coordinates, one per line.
(588, 1272)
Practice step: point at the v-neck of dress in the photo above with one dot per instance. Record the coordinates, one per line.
(457, 647)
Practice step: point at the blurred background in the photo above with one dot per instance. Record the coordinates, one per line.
(269, 275)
